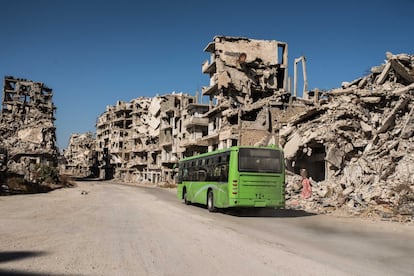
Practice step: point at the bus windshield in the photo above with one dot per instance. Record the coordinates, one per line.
(260, 160)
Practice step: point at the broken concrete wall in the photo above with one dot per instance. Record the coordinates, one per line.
(363, 132)
(246, 64)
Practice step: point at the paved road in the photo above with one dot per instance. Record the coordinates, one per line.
(118, 229)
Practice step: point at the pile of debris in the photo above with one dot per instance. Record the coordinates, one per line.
(366, 129)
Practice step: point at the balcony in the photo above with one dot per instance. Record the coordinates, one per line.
(137, 163)
(153, 166)
(195, 121)
(208, 68)
(169, 161)
(166, 143)
(194, 142)
(212, 136)
(209, 90)
(165, 126)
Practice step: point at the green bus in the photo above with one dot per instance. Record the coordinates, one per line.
(235, 177)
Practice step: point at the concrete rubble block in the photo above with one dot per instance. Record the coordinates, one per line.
(31, 135)
(155, 106)
(293, 145)
(389, 121)
(384, 74)
(154, 123)
(402, 71)
(335, 156)
(365, 127)
(371, 100)
(223, 79)
(348, 191)
(323, 191)
(403, 90)
(408, 127)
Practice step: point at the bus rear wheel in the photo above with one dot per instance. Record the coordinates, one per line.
(210, 201)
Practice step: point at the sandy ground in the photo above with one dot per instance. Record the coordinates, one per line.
(103, 228)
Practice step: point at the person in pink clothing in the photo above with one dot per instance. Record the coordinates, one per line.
(306, 186)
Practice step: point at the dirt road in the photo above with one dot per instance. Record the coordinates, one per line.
(100, 228)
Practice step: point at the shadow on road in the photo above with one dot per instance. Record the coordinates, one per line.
(10, 256)
(260, 212)
(10, 272)
(266, 212)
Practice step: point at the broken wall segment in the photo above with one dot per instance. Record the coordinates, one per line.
(246, 65)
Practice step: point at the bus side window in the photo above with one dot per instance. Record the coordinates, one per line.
(202, 174)
(210, 169)
(184, 171)
(224, 172)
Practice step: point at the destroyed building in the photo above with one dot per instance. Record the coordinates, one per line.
(357, 143)
(181, 126)
(80, 156)
(142, 140)
(249, 99)
(112, 129)
(27, 132)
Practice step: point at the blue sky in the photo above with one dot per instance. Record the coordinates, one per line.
(93, 53)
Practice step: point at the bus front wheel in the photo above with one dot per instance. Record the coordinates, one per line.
(210, 201)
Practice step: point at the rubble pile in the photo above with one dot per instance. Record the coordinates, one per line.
(364, 133)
